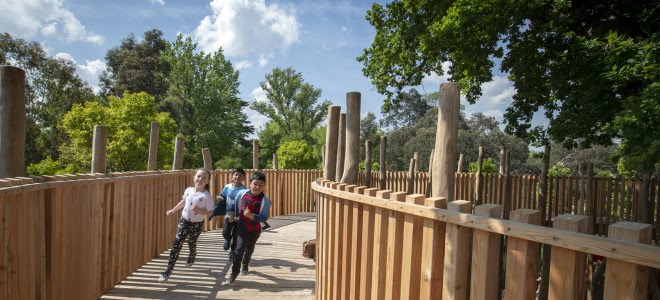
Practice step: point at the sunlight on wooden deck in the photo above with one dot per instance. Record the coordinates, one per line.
(277, 269)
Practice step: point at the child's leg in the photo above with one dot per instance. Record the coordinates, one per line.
(227, 230)
(196, 230)
(241, 239)
(249, 248)
(182, 231)
(234, 234)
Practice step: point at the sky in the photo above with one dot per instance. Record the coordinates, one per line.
(319, 38)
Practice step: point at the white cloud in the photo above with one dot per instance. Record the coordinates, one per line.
(65, 56)
(498, 91)
(161, 2)
(258, 94)
(242, 27)
(263, 58)
(344, 29)
(90, 72)
(244, 64)
(495, 113)
(48, 17)
(436, 79)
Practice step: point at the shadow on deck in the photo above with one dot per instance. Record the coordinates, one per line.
(277, 269)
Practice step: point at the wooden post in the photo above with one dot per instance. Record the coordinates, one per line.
(460, 163)
(416, 157)
(507, 188)
(568, 267)
(502, 160)
(394, 249)
(433, 252)
(12, 122)
(522, 259)
(412, 245)
(352, 159)
(477, 183)
(485, 256)
(367, 163)
(430, 177)
(455, 270)
(332, 130)
(206, 155)
(153, 147)
(99, 143)
(446, 141)
(276, 164)
(178, 154)
(543, 191)
(411, 175)
(255, 154)
(341, 147)
(626, 280)
(382, 162)
(380, 242)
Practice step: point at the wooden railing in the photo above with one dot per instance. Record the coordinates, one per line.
(390, 245)
(614, 199)
(77, 236)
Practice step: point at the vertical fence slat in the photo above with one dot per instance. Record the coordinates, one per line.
(454, 278)
(433, 251)
(485, 257)
(394, 249)
(567, 267)
(412, 246)
(380, 243)
(625, 280)
(522, 259)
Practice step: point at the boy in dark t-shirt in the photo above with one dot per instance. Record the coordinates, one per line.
(254, 208)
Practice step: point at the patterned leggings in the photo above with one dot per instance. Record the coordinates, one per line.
(185, 229)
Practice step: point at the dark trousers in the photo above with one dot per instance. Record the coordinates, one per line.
(191, 231)
(245, 243)
(229, 233)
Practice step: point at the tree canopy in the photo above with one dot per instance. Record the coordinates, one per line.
(590, 67)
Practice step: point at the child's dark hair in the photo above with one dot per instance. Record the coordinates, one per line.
(258, 176)
(239, 171)
(208, 185)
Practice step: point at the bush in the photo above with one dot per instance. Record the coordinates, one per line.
(47, 166)
(560, 169)
(374, 166)
(487, 166)
(297, 154)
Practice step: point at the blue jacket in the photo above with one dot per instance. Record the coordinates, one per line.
(264, 210)
(229, 193)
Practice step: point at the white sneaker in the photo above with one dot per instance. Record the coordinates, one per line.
(163, 277)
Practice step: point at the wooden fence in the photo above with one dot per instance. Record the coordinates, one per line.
(614, 199)
(381, 244)
(77, 236)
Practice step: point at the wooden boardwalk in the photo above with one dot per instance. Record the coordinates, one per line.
(277, 269)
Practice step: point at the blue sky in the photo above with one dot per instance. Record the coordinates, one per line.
(320, 39)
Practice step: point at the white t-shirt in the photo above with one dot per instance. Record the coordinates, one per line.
(203, 200)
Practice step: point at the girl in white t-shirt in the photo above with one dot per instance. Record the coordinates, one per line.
(197, 204)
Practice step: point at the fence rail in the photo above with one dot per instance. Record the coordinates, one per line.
(393, 245)
(614, 199)
(77, 236)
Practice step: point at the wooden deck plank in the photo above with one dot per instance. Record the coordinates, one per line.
(277, 269)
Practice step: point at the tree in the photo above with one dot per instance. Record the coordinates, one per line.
(487, 166)
(204, 91)
(370, 131)
(129, 125)
(137, 66)
(52, 88)
(592, 61)
(297, 154)
(407, 109)
(291, 103)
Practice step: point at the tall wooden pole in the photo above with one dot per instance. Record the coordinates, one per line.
(255, 154)
(206, 155)
(446, 141)
(429, 182)
(12, 122)
(507, 187)
(341, 147)
(502, 160)
(411, 176)
(460, 163)
(477, 190)
(416, 157)
(276, 163)
(178, 154)
(543, 191)
(367, 163)
(99, 143)
(382, 162)
(153, 147)
(331, 139)
(352, 159)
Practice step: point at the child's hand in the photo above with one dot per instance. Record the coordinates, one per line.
(248, 214)
(169, 213)
(195, 208)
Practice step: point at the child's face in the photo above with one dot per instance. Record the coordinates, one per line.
(256, 187)
(201, 179)
(237, 178)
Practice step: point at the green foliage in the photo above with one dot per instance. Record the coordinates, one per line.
(52, 88)
(374, 166)
(487, 166)
(291, 104)
(370, 131)
(137, 66)
(592, 70)
(406, 109)
(559, 169)
(204, 94)
(297, 154)
(47, 166)
(129, 124)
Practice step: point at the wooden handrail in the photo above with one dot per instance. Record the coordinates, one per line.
(636, 253)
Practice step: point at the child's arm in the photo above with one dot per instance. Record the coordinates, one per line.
(208, 204)
(177, 207)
